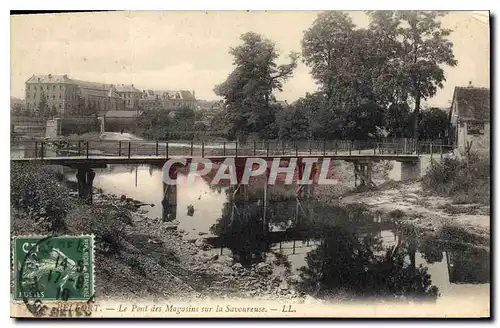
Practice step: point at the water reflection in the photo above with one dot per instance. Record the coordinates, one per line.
(347, 266)
(338, 251)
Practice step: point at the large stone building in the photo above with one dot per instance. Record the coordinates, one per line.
(165, 99)
(470, 118)
(64, 94)
(130, 94)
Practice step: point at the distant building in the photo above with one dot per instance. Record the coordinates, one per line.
(166, 99)
(470, 118)
(65, 94)
(130, 94)
(210, 105)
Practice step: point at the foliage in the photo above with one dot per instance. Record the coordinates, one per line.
(369, 76)
(422, 49)
(433, 124)
(19, 109)
(161, 124)
(349, 266)
(464, 183)
(293, 124)
(248, 90)
(43, 107)
(39, 192)
(105, 222)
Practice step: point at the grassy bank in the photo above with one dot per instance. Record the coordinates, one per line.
(465, 182)
(41, 203)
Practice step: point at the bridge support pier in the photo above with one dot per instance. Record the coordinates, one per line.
(85, 177)
(305, 191)
(363, 170)
(169, 201)
(410, 170)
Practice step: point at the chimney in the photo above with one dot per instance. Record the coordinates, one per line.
(194, 94)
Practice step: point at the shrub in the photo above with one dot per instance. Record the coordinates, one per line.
(40, 194)
(454, 178)
(103, 222)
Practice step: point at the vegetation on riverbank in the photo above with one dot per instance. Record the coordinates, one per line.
(134, 253)
(465, 181)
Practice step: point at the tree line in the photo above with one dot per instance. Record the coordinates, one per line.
(371, 81)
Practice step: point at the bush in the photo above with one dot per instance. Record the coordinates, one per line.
(452, 178)
(40, 193)
(103, 222)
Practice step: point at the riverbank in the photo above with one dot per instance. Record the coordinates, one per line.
(139, 256)
(410, 204)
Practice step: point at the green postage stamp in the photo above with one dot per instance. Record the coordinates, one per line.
(54, 268)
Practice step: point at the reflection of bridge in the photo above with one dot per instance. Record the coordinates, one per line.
(85, 155)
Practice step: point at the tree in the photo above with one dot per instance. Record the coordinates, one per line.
(292, 124)
(18, 109)
(397, 120)
(424, 47)
(369, 75)
(433, 123)
(154, 124)
(52, 111)
(323, 49)
(43, 107)
(343, 66)
(248, 90)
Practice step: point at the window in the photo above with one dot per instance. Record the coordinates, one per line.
(53, 87)
(53, 96)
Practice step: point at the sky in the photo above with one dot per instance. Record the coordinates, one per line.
(190, 50)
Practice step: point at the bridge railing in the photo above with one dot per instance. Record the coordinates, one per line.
(134, 148)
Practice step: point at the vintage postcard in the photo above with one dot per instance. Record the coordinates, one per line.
(249, 164)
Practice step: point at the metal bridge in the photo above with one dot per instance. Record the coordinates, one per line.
(88, 154)
(99, 152)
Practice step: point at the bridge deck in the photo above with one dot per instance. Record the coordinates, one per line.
(99, 153)
(160, 160)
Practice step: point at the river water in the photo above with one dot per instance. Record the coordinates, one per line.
(353, 243)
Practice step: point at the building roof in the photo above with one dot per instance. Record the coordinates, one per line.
(92, 85)
(49, 78)
(122, 113)
(126, 88)
(169, 94)
(472, 103)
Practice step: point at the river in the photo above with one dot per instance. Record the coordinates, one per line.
(357, 263)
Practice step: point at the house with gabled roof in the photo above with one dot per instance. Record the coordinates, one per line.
(167, 99)
(470, 119)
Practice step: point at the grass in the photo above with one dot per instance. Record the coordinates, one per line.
(456, 235)
(464, 184)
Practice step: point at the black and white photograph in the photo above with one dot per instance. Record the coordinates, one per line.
(250, 164)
